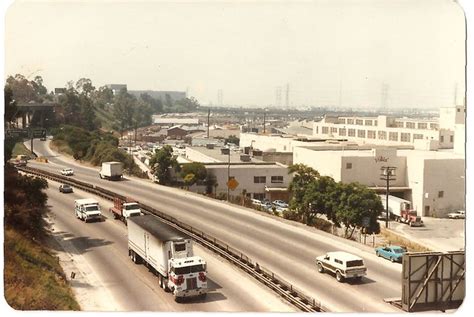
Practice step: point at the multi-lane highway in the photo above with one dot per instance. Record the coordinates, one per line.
(106, 278)
(285, 247)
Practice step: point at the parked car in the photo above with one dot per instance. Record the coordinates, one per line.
(65, 188)
(460, 214)
(67, 172)
(19, 163)
(280, 203)
(343, 264)
(266, 206)
(393, 253)
(256, 202)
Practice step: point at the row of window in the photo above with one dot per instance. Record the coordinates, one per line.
(263, 179)
(368, 122)
(372, 134)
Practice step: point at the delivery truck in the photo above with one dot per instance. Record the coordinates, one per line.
(168, 254)
(125, 208)
(87, 209)
(400, 210)
(111, 170)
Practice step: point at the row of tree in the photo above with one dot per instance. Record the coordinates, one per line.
(349, 204)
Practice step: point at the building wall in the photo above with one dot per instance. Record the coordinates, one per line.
(325, 162)
(446, 177)
(266, 142)
(244, 174)
(176, 133)
(460, 139)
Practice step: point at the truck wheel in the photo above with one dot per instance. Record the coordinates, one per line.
(339, 277)
(320, 268)
(392, 259)
(377, 253)
(203, 296)
(160, 280)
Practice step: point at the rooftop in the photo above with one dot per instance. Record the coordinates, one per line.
(215, 156)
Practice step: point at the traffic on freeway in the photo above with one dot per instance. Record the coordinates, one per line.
(286, 248)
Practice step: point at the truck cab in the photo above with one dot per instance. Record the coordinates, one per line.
(187, 277)
(131, 210)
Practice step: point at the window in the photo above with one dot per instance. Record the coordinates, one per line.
(405, 137)
(417, 136)
(317, 129)
(277, 179)
(325, 130)
(179, 247)
(259, 196)
(441, 194)
(422, 125)
(393, 136)
(359, 122)
(350, 121)
(352, 132)
(338, 261)
(399, 124)
(342, 132)
(371, 134)
(341, 120)
(459, 110)
(441, 138)
(433, 126)
(348, 166)
(382, 135)
(355, 263)
(361, 133)
(451, 138)
(368, 122)
(333, 130)
(259, 179)
(375, 122)
(410, 125)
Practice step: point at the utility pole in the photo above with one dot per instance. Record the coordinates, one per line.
(388, 174)
(228, 175)
(208, 119)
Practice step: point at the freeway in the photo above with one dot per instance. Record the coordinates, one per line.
(107, 280)
(287, 248)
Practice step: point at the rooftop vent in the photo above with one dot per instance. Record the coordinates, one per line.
(245, 157)
(210, 146)
(225, 150)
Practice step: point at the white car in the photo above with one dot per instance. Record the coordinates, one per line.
(280, 203)
(343, 264)
(461, 214)
(67, 172)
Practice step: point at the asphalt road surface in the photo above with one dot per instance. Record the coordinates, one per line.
(107, 280)
(287, 248)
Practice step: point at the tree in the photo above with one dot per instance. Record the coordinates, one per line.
(155, 104)
(161, 162)
(197, 169)
(232, 139)
(10, 105)
(302, 178)
(37, 84)
(23, 89)
(123, 110)
(84, 86)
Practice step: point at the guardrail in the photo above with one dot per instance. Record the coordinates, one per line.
(275, 282)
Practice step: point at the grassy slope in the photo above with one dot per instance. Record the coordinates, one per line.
(105, 117)
(33, 278)
(20, 149)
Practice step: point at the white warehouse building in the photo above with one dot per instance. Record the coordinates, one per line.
(432, 180)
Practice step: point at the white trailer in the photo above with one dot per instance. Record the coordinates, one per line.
(400, 209)
(169, 255)
(111, 170)
(87, 209)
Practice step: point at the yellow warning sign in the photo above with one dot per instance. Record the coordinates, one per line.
(232, 183)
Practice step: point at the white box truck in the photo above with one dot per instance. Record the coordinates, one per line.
(168, 254)
(87, 209)
(111, 170)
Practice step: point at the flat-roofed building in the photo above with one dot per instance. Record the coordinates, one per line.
(432, 180)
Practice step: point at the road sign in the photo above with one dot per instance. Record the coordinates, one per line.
(232, 183)
(17, 133)
(39, 133)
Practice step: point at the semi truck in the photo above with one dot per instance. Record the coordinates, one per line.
(87, 209)
(400, 210)
(168, 254)
(111, 170)
(124, 209)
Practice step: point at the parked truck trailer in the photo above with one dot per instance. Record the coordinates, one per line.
(168, 254)
(400, 210)
(111, 170)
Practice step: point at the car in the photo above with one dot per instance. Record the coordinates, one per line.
(256, 202)
(19, 163)
(65, 188)
(266, 206)
(280, 203)
(394, 253)
(67, 172)
(343, 264)
(460, 214)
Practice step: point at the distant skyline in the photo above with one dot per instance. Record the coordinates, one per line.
(347, 53)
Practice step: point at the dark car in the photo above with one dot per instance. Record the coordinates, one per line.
(65, 188)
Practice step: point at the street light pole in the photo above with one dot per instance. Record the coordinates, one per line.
(388, 174)
(228, 175)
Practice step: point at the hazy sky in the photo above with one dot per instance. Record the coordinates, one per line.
(329, 52)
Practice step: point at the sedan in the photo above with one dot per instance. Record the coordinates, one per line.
(65, 188)
(392, 252)
(461, 214)
(280, 203)
(67, 172)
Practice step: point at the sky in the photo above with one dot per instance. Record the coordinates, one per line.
(342, 53)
